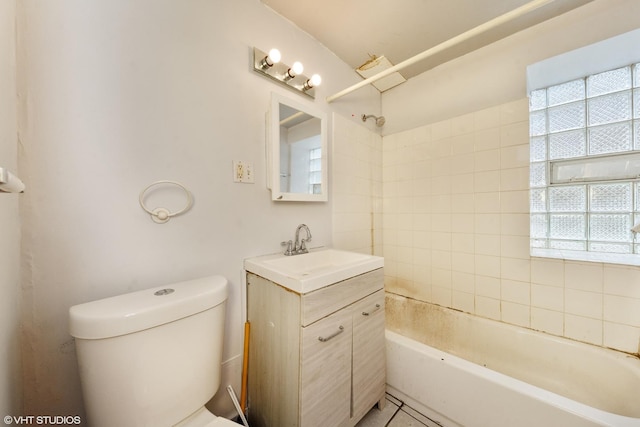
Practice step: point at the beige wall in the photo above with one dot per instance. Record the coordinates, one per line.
(116, 95)
(10, 375)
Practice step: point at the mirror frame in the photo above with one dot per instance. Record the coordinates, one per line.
(273, 150)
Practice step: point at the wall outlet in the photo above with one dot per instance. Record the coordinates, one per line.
(243, 172)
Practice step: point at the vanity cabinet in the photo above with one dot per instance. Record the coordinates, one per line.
(315, 359)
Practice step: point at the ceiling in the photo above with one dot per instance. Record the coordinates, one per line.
(400, 29)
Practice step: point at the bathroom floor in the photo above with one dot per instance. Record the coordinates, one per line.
(395, 414)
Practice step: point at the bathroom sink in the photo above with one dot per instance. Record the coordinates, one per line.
(314, 270)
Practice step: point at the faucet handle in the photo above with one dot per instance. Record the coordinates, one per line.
(303, 247)
(289, 245)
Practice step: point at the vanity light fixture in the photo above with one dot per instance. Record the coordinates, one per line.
(269, 65)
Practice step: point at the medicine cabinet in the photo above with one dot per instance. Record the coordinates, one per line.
(296, 151)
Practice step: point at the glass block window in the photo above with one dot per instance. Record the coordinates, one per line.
(315, 171)
(585, 167)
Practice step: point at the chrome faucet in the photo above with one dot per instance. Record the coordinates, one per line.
(298, 246)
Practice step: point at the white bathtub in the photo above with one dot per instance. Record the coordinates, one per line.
(544, 380)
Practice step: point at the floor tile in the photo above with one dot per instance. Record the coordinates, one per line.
(419, 417)
(378, 418)
(402, 419)
(393, 400)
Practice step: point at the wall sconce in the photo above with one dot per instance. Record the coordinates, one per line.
(269, 65)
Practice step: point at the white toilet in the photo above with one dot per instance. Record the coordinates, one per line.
(152, 358)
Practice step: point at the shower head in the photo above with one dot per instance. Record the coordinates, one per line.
(379, 120)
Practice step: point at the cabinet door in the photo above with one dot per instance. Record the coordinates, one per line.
(369, 361)
(325, 377)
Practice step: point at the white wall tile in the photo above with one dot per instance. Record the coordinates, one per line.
(514, 247)
(488, 307)
(488, 244)
(515, 269)
(486, 181)
(583, 303)
(441, 295)
(623, 281)
(623, 310)
(488, 223)
(584, 276)
(463, 242)
(487, 139)
(487, 265)
(515, 291)
(463, 262)
(516, 314)
(547, 272)
(515, 134)
(547, 321)
(487, 202)
(463, 144)
(516, 156)
(463, 301)
(514, 179)
(622, 337)
(583, 329)
(547, 297)
(514, 224)
(462, 184)
(462, 163)
(487, 160)
(462, 223)
(463, 203)
(514, 201)
(488, 286)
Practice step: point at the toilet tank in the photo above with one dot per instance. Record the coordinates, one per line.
(152, 357)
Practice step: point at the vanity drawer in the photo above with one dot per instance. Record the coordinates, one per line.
(321, 303)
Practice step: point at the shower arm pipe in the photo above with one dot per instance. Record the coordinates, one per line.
(515, 13)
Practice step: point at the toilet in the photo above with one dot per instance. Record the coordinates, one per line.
(153, 357)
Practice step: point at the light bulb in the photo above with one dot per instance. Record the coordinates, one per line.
(315, 80)
(296, 68)
(274, 56)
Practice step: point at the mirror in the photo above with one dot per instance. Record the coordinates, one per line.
(297, 136)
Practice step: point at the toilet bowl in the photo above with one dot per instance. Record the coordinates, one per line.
(152, 357)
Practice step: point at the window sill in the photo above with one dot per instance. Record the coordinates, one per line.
(625, 259)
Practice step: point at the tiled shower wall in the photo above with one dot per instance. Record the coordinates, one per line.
(356, 187)
(456, 230)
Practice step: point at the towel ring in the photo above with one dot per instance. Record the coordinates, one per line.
(162, 215)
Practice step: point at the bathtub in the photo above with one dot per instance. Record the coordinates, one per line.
(488, 373)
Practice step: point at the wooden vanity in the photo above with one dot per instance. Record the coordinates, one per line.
(317, 358)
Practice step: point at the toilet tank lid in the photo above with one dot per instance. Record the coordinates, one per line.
(136, 311)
